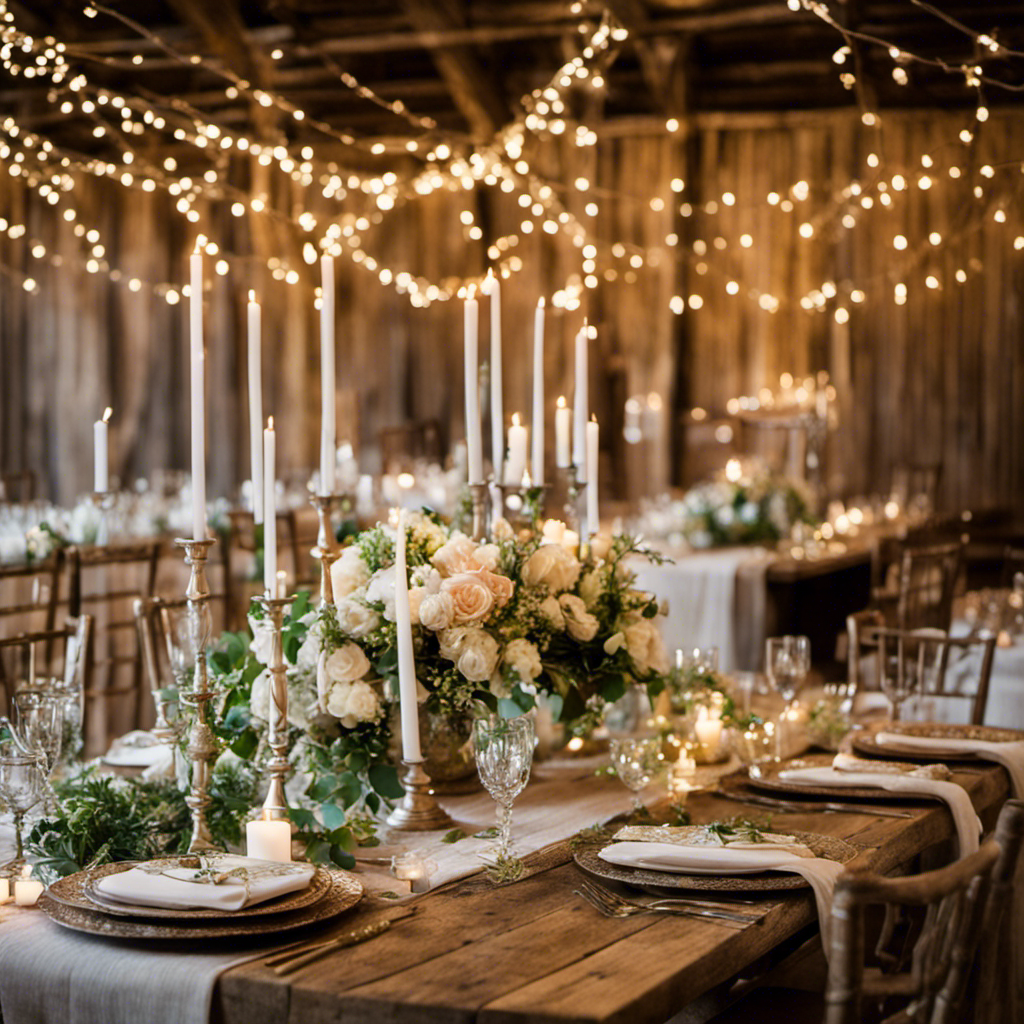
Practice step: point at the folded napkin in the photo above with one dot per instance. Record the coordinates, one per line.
(251, 881)
(677, 855)
(1009, 755)
(850, 763)
(137, 749)
(968, 826)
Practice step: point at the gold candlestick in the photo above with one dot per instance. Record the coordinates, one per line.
(575, 490)
(418, 811)
(326, 550)
(202, 745)
(104, 501)
(276, 805)
(480, 493)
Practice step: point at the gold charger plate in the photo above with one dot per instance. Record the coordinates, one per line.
(829, 847)
(769, 780)
(934, 730)
(79, 890)
(344, 892)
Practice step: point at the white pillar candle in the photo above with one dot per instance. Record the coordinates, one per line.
(328, 432)
(269, 509)
(269, 839)
(563, 434)
(497, 411)
(253, 313)
(474, 442)
(5, 890)
(593, 449)
(406, 660)
(101, 466)
(198, 365)
(537, 425)
(708, 730)
(515, 467)
(27, 889)
(581, 405)
(281, 584)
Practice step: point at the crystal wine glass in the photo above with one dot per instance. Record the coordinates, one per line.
(39, 720)
(788, 660)
(504, 754)
(636, 759)
(21, 785)
(908, 665)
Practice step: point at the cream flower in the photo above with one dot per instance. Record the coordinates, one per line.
(259, 697)
(427, 577)
(600, 545)
(472, 598)
(500, 586)
(523, 658)
(487, 556)
(437, 611)
(458, 555)
(348, 573)
(553, 567)
(552, 611)
(591, 588)
(381, 590)
(355, 618)
(478, 655)
(613, 643)
(579, 622)
(501, 529)
(645, 647)
(346, 664)
(262, 640)
(353, 703)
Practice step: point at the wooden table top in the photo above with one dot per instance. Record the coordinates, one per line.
(533, 953)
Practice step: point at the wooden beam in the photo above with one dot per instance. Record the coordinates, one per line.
(472, 90)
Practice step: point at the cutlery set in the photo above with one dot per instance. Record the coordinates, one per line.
(612, 905)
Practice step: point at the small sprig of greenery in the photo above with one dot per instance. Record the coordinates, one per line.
(595, 835)
(503, 870)
(739, 830)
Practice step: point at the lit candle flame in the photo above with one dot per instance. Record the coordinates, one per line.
(540, 302)
(561, 401)
(252, 295)
(515, 419)
(270, 423)
(107, 413)
(527, 482)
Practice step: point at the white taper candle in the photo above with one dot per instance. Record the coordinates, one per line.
(328, 431)
(253, 315)
(198, 377)
(497, 410)
(537, 423)
(101, 460)
(593, 450)
(474, 441)
(563, 434)
(269, 509)
(406, 659)
(581, 404)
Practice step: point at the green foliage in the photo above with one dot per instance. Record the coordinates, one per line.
(739, 829)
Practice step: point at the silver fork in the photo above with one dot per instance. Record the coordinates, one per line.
(612, 905)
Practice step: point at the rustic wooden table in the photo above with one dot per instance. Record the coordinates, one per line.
(533, 953)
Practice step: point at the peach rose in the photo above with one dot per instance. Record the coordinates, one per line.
(458, 555)
(472, 598)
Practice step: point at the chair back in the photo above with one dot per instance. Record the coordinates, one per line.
(29, 594)
(959, 902)
(19, 487)
(928, 577)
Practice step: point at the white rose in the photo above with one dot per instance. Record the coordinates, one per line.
(552, 611)
(259, 697)
(381, 590)
(591, 588)
(427, 577)
(309, 649)
(346, 664)
(551, 566)
(487, 556)
(645, 646)
(355, 618)
(458, 555)
(323, 684)
(478, 655)
(348, 573)
(353, 703)
(501, 529)
(579, 622)
(262, 640)
(436, 611)
(450, 641)
(600, 545)
(553, 531)
(523, 658)
(472, 598)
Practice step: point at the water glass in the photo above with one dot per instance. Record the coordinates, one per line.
(39, 721)
(636, 760)
(787, 662)
(21, 786)
(756, 746)
(504, 755)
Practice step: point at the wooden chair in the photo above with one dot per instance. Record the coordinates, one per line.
(105, 580)
(29, 595)
(292, 542)
(73, 639)
(153, 622)
(962, 665)
(924, 594)
(962, 900)
(18, 487)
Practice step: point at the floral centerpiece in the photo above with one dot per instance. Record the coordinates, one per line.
(745, 503)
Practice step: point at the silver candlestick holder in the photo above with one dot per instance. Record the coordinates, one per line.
(104, 501)
(575, 491)
(327, 549)
(481, 497)
(202, 746)
(276, 805)
(523, 506)
(418, 811)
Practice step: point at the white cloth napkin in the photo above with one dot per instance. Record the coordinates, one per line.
(968, 826)
(743, 858)
(176, 890)
(1009, 755)
(136, 749)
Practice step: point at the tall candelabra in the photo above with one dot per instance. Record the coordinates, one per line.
(202, 746)
(104, 501)
(276, 805)
(480, 494)
(326, 550)
(418, 811)
(575, 491)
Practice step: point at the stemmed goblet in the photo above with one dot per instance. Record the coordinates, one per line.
(636, 760)
(787, 662)
(21, 784)
(39, 722)
(504, 754)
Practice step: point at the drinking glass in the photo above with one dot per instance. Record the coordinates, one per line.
(787, 662)
(755, 745)
(636, 760)
(39, 721)
(908, 666)
(21, 785)
(504, 754)
(702, 660)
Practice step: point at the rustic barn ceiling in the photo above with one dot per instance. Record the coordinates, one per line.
(466, 64)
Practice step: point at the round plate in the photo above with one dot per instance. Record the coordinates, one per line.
(78, 890)
(771, 782)
(935, 730)
(344, 892)
(829, 847)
